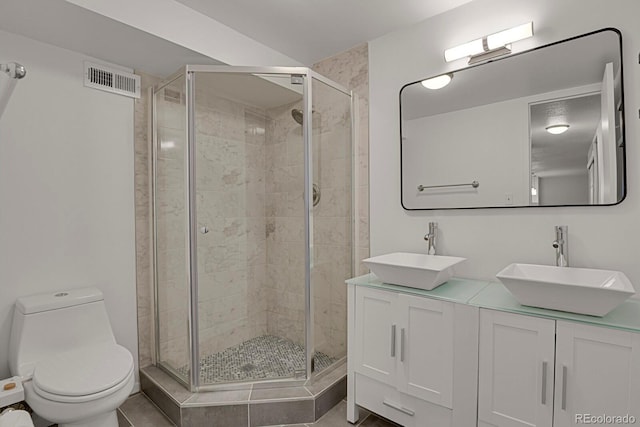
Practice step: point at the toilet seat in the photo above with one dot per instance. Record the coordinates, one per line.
(83, 374)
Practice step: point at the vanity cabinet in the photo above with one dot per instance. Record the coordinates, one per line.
(407, 342)
(516, 368)
(596, 371)
(402, 350)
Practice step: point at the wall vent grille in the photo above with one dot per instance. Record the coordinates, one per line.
(111, 80)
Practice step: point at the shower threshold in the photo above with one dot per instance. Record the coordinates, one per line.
(259, 358)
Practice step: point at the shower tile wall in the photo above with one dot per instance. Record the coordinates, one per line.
(285, 281)
(350, 69)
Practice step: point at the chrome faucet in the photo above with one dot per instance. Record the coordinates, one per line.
(431, 237)
(561, 244)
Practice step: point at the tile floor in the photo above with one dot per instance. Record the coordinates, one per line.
(140, 412)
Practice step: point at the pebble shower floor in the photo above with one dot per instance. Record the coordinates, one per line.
(262, 357)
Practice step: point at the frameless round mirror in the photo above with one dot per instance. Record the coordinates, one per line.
(538, 128)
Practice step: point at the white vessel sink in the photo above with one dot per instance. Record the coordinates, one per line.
(413, 270)
(576, 290)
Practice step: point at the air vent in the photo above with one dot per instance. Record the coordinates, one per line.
(112, 80)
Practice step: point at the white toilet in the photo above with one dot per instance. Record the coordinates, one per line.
(63, 347)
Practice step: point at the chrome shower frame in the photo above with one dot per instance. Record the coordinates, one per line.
(188, 73)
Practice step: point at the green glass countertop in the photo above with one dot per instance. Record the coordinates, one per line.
(454, 290)
(494, 296)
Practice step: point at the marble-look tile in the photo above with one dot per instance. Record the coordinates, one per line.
(145, 331)
(174, 352)
(331, 230)
(141, 412)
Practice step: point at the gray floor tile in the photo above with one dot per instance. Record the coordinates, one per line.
(278, 413)
(156, 394)
(216, 416)
(142, 413)
(279, 393)
(213, 398)
(374, 421)
(337, 417)
(122, 420)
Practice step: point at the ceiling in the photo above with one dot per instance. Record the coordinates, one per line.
(65, 25)
(316, 29)
(306, 31)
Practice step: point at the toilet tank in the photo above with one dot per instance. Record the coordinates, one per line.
(50, 323)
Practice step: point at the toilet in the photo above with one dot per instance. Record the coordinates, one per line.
(74, 372)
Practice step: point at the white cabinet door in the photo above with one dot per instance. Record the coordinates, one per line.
(516, 368)
(597, 373)
(376, 334)
(425, 367)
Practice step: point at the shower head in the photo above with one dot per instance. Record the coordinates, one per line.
(297, 115)
(14, 70)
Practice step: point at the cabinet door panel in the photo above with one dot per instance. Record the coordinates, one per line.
(598, 373)
(375, 346)
(426, 349)
(516, 368)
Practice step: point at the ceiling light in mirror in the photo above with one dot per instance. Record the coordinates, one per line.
(557, 129)
(437, 82)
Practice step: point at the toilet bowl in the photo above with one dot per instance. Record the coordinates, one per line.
(62, 344)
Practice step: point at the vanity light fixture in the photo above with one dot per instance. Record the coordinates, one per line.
(437, 82)
(490, 46)
(557, 129)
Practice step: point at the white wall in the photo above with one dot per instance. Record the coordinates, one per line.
(464, 146)
(600, 237)
(66, 188)
(564, 190)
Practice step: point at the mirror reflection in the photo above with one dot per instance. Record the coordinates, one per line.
(539, 128)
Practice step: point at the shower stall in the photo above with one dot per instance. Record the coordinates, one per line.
(253, 224)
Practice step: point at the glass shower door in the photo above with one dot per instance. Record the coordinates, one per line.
(332, 221)
(171, 227)
(249, 185)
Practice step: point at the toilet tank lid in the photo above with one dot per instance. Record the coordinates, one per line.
(57, 299)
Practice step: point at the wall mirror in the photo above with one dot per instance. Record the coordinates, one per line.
(538, 128)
